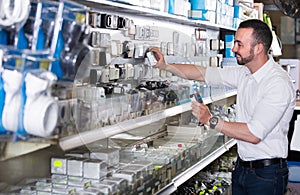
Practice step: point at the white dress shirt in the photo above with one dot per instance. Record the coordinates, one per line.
(265, 101)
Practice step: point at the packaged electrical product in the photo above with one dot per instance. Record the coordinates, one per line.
(40, 109)
(13, 15)
(12, 103)
(120, 182)
(11, 82)
(94, 169)
(27, 109)
(75, 34)
(229, 42)
(47, 36)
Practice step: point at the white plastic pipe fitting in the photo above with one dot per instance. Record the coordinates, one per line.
(12, 87)
(40, 111)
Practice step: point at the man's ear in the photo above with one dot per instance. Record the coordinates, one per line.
(258, 48)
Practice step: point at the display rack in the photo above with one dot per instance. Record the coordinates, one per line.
(90, 136)
(87, 137)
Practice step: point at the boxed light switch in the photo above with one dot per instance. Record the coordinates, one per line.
(59, 166)
(94, 169)
(59, 179)
(75, 166)
(110, 155)
(120, 182)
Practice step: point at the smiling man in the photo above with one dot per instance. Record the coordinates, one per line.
(265, 104)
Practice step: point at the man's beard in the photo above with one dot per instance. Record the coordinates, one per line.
(243, 61)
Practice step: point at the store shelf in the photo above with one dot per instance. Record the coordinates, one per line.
(148, 12)
(10, 147)
(15, 149)
(184, 176)
(91, 136)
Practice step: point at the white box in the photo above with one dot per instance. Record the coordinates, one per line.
(292, 67)
(75, 167)
(203, 15)
(94, 169)
(204, 4)
(59, 166)
(110, 155)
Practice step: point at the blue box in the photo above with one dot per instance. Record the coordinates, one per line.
(294, 171)
(171, 6)
(203, 5)
(206, 15)
(238, 12)
(229, 43)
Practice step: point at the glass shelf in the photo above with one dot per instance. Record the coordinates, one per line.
(86, 137)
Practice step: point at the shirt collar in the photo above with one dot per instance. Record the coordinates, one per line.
(263, 71)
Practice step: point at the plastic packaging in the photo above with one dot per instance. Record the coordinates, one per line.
(40, 111)
(12, 85)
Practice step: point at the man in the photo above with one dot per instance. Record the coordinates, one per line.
(265, 103)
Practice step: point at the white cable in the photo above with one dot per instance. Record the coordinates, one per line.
(14, 13)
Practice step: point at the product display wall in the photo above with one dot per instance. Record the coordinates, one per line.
(117, 116)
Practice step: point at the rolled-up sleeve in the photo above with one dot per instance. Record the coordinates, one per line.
(270, 109)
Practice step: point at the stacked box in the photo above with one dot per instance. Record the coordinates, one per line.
(224, 13)
(170, 6)
(203, 10)
(59, 166)
(94, 169)
(203, 5)
(229, 43)
(75, 167)
(181, 7)
(237, 16)
(207, 15)
(109, 155)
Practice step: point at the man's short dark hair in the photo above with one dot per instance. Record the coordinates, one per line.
(261, 32)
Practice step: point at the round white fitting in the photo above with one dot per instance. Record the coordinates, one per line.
(40, 116)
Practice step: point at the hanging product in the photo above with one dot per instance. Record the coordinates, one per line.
(12, 85)
(40, 110)
(13, 12)
(75, 36)
(13, 15)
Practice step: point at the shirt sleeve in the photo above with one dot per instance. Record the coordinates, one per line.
(216, 75)
(270, 109)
